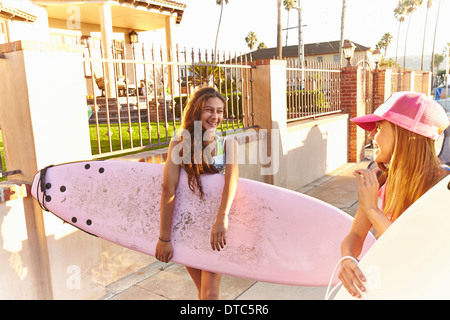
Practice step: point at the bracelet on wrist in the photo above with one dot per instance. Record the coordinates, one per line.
(163, 240)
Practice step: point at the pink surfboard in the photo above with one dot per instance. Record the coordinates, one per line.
(274, 235)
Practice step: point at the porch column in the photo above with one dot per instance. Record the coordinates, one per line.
(107, 37)
(43, 118)
(170, 22)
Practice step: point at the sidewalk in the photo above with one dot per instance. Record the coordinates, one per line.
(161, 281)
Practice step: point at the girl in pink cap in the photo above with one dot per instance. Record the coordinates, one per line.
(404, 129)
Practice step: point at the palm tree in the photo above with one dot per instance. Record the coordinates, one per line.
(385, 41)
(220, 3)
(261, 45)
(411, 6)
(399, 14)
(251, 40)
(429, 4)
(344, 9)
(288, 5)
(438, 59)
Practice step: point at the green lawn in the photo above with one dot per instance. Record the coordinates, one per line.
(126, 139)
(115, 138)
(2, 153)
(103, 129)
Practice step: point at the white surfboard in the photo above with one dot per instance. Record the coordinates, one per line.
(411, 260)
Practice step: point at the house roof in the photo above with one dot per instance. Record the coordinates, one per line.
(146, 14)
(15, 14)
(311, 49)
(161, 5)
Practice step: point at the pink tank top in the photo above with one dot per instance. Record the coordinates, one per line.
(382, 200)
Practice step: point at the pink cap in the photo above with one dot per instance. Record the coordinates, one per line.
(410, 110)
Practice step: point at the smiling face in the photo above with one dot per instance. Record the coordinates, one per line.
(383, 141)
(212, 114)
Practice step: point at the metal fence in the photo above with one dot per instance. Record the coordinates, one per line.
(313, 90)
(138, 103)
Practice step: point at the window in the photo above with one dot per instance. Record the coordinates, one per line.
(56, 38)
(85, 41)
(336, 58)
(71, 39)
(119, 54)
(4, 37)
(65, 36)
(320, 59)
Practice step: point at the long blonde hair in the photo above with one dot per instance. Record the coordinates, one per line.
(414, 168)
(192, 113)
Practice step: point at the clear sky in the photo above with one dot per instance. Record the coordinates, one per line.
(366, 22)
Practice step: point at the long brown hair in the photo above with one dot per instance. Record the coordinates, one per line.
(195, 166)
(414, 168)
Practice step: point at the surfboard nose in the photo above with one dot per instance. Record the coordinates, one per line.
(35, 184)
(38, 185)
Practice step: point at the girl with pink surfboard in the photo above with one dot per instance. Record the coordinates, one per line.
(205, 109)
(404, 129)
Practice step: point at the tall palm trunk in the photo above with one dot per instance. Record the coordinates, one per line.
(398, 37)
(287, 28)
(406, 42)
(344, 9)
(424, 33)
(434, 40)
(279, 30)
(217, 34)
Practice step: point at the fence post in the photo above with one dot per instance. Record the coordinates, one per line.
(426, 82)
(408, 80)
(271, 114)
(381, 86)
(351, 103)
(44, 121)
